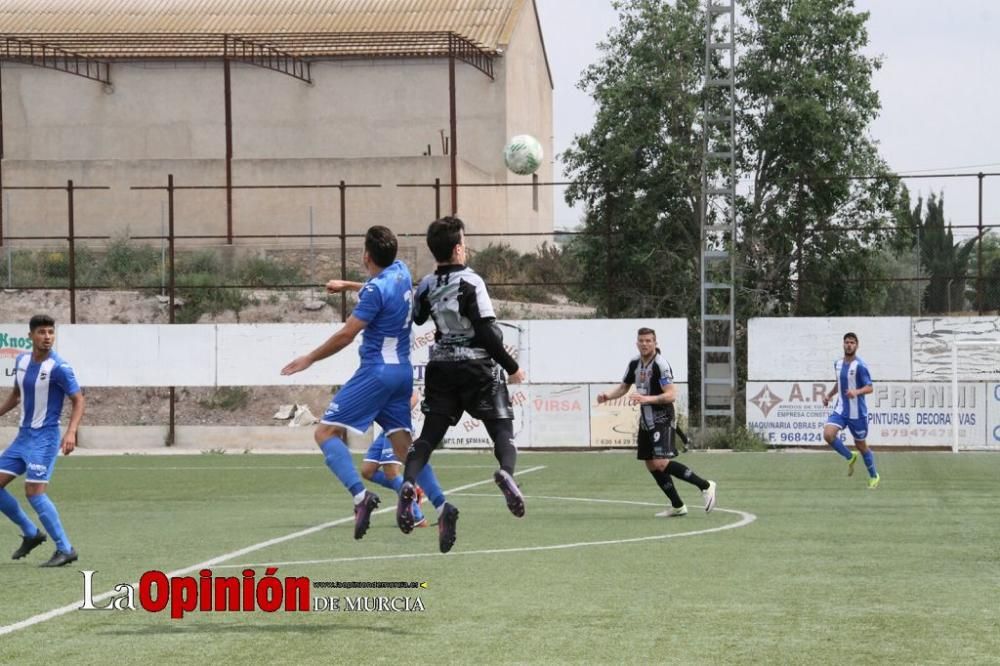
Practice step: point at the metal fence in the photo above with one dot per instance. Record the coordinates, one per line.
(64, 265)
(170, 277)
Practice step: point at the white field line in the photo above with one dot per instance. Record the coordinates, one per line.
(63, 610)
(745, 519)
(207, 468)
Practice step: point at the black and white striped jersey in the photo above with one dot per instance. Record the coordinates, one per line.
(456, 297)
(650, 379)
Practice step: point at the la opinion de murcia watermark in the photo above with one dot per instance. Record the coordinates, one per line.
(157, 592)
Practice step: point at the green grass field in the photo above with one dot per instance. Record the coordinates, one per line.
(828, 572)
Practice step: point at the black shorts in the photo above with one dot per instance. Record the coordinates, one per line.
(656, 443)
(477, 386)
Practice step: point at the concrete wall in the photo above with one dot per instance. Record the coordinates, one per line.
(529, 111)
(556, 408)
(361, 122)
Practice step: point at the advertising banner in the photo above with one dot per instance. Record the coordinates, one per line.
(615, 424)
(899, 413)
(14, 341)
(993, 416)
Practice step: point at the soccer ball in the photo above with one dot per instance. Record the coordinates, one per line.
(523, 154)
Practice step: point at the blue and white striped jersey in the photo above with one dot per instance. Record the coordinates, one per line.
(853, 375)
(385, 304)
(43, 387)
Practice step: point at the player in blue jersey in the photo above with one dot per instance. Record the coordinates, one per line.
(380, 389)
(383, 457)
(853, 383)
(43, 380)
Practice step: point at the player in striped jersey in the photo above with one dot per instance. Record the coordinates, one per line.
(465, 373)
(853, 383)
(655, 393)
(43, 380)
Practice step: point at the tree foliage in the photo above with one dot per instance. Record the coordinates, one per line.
(945, 262)
(819, 203)
(814, 218)
(637, 170)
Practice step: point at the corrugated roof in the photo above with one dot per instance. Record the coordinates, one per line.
(487, 23)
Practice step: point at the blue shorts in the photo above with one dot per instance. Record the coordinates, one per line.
(376, 393)
(381, 452)
(32, 453)
(858, 427)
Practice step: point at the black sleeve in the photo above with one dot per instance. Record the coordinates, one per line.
(421, 305)
(629, 377)
(489, 337)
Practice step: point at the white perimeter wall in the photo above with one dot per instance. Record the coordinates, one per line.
(791, 364)
(568, 362)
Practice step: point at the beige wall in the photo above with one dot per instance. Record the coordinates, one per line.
(529, 111)
(360, 121)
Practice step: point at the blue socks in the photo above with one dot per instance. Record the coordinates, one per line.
(10, 508)
(432, 488)
(393, 484)
(47, 513)
(338, 459)
(869, 459)
(838, 446)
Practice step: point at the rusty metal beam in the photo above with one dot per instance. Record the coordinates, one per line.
(249, 51)
(43, 54)
(283, 52)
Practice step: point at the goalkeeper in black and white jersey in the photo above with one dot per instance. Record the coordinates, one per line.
(465, 372)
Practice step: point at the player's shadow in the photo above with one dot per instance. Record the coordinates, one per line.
(218, 629)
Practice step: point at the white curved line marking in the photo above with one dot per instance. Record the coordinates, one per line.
(214, 562)
(745, 519)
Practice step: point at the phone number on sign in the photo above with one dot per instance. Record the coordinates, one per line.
(918, 432)
(801, 437)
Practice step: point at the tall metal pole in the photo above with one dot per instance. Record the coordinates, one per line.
(170, 246)
(453, 121)
(343, 248)
(229, 149)
(609, 273)
(72, 252)
(979, 250)
(171, 425)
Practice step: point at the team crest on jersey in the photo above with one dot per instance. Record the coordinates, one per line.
(42, 376)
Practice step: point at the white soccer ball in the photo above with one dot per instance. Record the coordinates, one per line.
(523, 154)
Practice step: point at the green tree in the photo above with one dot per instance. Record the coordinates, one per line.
(946, 262)
(809, 225)
(637, 170)
(990, 270)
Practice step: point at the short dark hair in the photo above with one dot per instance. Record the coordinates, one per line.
(442, 237)
(40, 320)
(381, 245)
(853, 336)
(646, 331)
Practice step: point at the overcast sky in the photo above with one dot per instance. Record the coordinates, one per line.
(938, 86)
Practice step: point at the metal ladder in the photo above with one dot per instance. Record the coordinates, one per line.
(718, 219)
